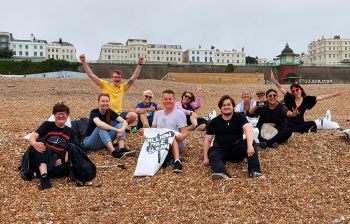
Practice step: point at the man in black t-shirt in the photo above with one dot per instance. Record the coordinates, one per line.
(49, 142)
(227, 131)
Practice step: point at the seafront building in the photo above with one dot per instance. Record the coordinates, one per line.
(61, 50)
(213, 56)
(37, 50)
(329, 51)
(128, 53)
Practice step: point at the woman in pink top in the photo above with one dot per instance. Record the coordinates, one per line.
(188, 104)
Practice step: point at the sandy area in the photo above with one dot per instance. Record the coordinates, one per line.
(305, 181)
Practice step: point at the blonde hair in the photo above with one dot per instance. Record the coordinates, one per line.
(148, 91)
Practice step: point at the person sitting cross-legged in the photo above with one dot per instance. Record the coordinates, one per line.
(145, 110)
(104, 127)
(227, 131)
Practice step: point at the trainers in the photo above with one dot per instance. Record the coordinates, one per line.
(119, 154)
(274, 145)
(200, 127)
(253, 174)
(134, 130)
(45, 182)
(262, 145)
(177, 167)
(220, 176)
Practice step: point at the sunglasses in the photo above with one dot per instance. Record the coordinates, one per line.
(295, 90)
(260, 95)
(272, 95)
(188, 97)
(149, 97)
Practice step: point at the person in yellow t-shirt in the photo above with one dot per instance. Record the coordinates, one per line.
(116, 89)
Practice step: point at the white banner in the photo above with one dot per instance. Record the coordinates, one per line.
(154, 150)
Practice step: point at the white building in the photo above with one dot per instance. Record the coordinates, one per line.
(32, 49)
(328, 51)
(214, 56)
(5, 38)
(60, 50)
(129, 52)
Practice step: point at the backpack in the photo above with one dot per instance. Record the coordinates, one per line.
(82, 169)
(26, 167)
(79, 127)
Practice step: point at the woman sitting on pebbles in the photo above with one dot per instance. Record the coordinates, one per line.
(188, 104)
(246, 105)
(298, 100)
(104, 127)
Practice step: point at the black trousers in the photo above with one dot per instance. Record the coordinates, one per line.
(49, 157)
(219, 155)
(301, 126)
(282, 136)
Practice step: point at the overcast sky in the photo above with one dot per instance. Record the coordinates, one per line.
(262, 27)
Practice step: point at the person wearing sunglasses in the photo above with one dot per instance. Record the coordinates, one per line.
(189, 104)
(297, 99)
(145, 110)
(273, 116)
(259, 103)
(47, 154)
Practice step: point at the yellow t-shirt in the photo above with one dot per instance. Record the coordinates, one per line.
(116, 94)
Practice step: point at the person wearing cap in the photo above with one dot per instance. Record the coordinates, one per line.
(115, 89)
(259, 103)
(145, 110)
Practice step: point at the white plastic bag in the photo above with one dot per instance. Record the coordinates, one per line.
(326, 122)
(154, 150)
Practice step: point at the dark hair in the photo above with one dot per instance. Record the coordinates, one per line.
(223, 98)
(298, 86)
(192, 95)
(60, 107)
(269, 91)
(119, 72)
(169, 91)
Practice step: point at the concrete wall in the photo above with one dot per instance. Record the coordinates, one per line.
(154, 71)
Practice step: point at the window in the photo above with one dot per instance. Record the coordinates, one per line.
(56, 56)
(197, 52)
(197, 59)
(20, 53)
(63, 50)
(56, 51)
(192, 52)
(41, 47)
(27, 53)
(14, 46)
(211, 59)
(205, 52)
(26, 46)
(228, 61)
(237, 61)
(35, 47)
(35, 53)
(193, 58)
(205, 59)
(218, 60)
(158, 58)
(41, 54)
(14, 52)
(20, 46)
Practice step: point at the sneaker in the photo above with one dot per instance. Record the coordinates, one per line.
(253, 174)
(45, 182)
(220, 176)
(134, 130)
(177, 167)
(200, 127)
(262, 145)
(119, 154)
(274, 145)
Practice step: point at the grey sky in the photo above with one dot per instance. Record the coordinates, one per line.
(262, 27)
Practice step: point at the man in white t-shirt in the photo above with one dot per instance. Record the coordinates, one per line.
(173, 119)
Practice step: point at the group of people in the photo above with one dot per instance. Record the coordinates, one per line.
(224, 134)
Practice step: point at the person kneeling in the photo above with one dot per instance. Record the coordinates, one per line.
(47, 154)
(227, 131)
(104, 127)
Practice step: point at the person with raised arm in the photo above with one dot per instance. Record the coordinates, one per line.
(297, 99)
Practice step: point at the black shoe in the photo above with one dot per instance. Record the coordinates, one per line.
(254, 174)
(45, 182)
(262, 145)
(119, 154)
(28, 176)
(177, 167)
(274, 145)
(220, 176)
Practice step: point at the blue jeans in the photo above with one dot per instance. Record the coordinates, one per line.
(100, 137)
